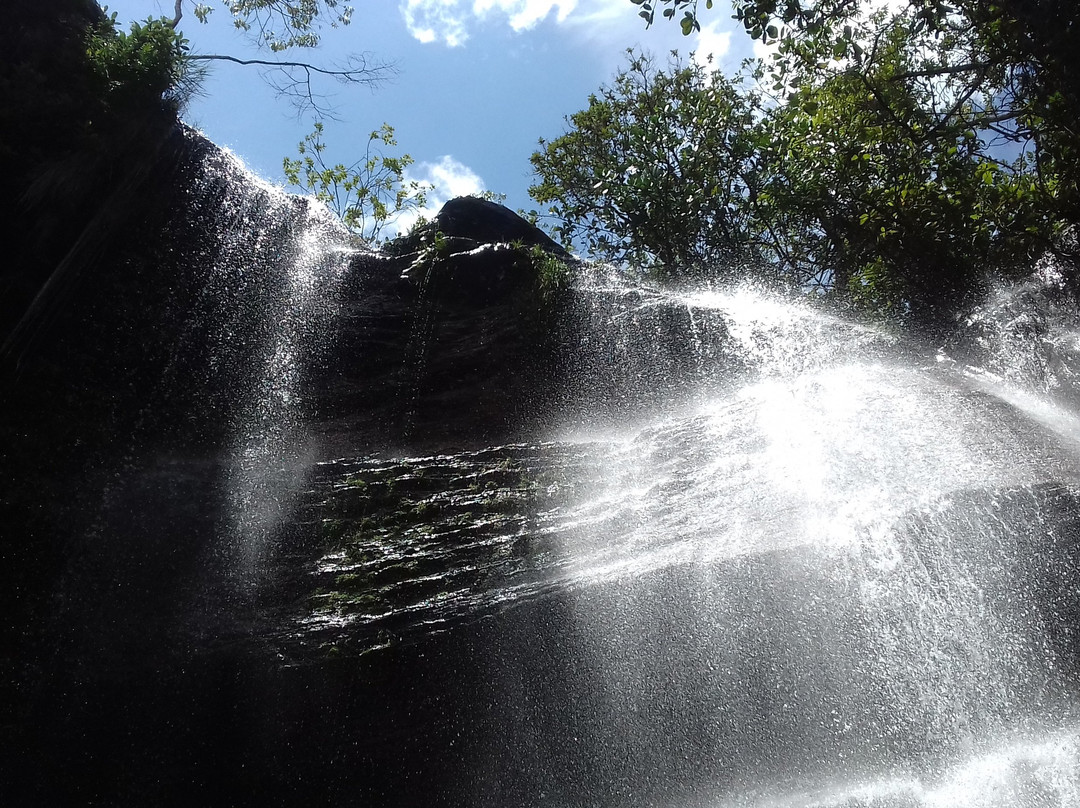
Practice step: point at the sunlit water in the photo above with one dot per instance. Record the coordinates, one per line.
(276, 271)
(825, 585)
(775, 559)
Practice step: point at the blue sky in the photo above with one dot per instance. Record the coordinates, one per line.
(477, 81)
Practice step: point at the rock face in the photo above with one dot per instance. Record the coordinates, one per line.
(116, 409)
(481, 252)
(448, 338)
(108, 319)
(145, 663)
(482, 221)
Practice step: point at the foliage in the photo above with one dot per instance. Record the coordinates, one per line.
(282, 24)
(553, 274)
(656, 171)
(1008, 70)
(896, 158)
(367, 195)
(688, 21)
(888, 202)
(142, 64)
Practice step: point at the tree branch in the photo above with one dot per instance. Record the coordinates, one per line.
(962, 99)
(885, 106)
(941, 70)
(349, 75)
(295, 79)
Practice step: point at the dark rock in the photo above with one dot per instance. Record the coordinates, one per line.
(474, 273)
(465, 356)
(484, 221)
(480, 221)
(481, 252)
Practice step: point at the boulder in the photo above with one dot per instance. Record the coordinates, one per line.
(480, 221)
(449, 336)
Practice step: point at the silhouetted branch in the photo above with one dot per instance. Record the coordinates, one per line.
(293, 79)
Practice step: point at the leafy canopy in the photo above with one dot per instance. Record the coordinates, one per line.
(144, 63)
(367, 195)
(280, 24)
(1008, 70)
(894, 160)
(656, 170)
(895, 208)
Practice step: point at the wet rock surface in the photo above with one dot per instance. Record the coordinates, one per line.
(398, 589)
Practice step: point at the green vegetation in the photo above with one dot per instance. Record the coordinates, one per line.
(280, 24)
(144, 64)
(654, 171)
(553, 274)
(889, 161)
(367, 195)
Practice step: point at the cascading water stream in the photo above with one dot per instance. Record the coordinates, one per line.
(845, 579)
(274, 283)
(910, 632)
(768, 557)
(860, 597)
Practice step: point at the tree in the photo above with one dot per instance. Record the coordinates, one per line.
(1009, 70)
(866, 179)
(282, 25)
(656, 171)
(141, 65)
(367, 195)
(906, 153)
(896, 214)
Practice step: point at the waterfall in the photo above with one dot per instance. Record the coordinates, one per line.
(826, 585)
(761, 555)
(843, 574)
(268, 307)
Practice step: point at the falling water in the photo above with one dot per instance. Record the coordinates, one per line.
(767, 557)
(275, 280)
(846, 579)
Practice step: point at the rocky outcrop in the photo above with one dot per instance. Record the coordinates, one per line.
(451, 337)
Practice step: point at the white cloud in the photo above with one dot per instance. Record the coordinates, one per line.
(607, 25)
(448, 20)
(711, 42)
(447, 178)
(607, 11)
(524, 14)
(431, 20)
(450, 177)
